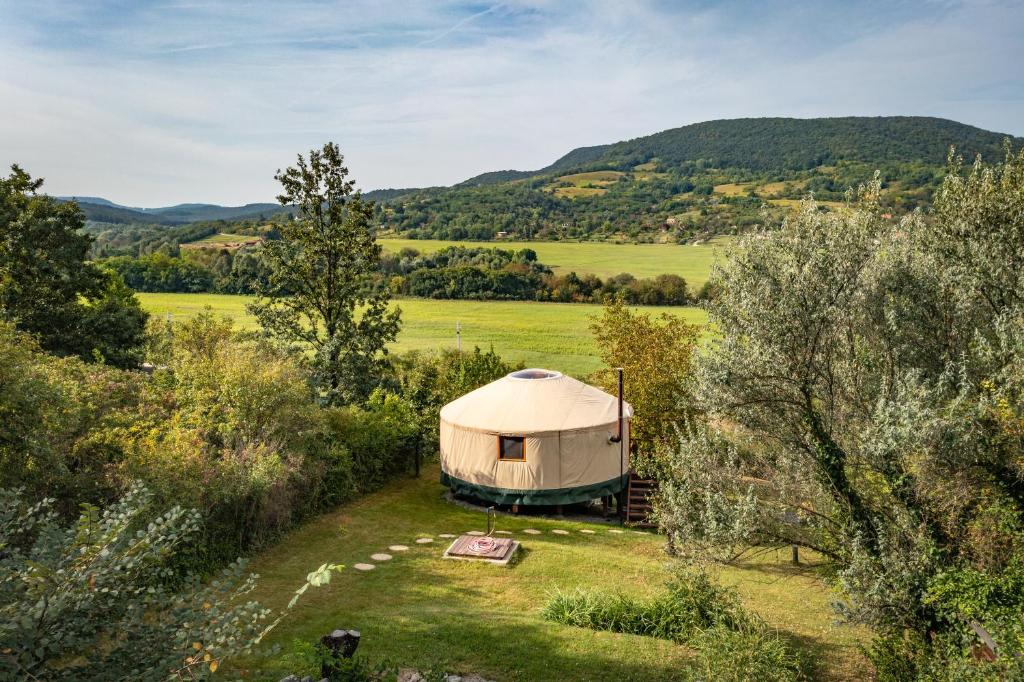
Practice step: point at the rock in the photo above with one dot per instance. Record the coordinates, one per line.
(559, 531)
(363, 567)
(531, 531)
(290, 678)
(446, 535)
(398, 548)
(381, 557)
(424, 541)
(587, 531)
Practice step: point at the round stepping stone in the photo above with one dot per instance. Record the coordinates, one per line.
(504, 532)
(615, 530)
(381, 557)
(559, 531)
(531, 531)
(475, 532)
(424, 541)
(363, 567)
(638, 532)
(445, 535)
(587, 531)
(398, 548)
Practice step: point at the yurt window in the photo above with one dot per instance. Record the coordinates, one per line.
(511, 447)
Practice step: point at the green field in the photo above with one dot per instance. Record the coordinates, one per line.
(419, 610)
(692, 262)
(551, 335)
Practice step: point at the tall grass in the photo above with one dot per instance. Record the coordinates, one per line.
(731, 642)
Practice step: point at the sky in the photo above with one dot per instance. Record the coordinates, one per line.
(159, 103)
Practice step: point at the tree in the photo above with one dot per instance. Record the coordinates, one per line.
(47, 287)
(656, 356)
(319, 292)
(864, 397)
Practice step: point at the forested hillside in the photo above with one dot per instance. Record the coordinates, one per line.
(703, 179)
(679, 185)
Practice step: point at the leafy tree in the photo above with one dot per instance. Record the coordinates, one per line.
(318, 293)
(864, 398)
(48, 288)
(656, 356)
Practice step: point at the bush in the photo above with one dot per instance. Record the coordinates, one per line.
(725, 655)
(732, 643)
(382, 438)
(692, 603)
(97, 600)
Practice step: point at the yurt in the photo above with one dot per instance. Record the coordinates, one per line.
(535, 437)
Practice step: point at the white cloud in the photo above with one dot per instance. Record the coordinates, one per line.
(204, 101)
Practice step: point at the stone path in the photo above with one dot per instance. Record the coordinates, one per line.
(363, 567)
(424, 541)
(381, 557)
(398, 548)
(559, 531)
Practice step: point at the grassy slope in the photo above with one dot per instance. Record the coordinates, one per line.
(224, 238)
(552, 335)
(420, 610)
(691, 262)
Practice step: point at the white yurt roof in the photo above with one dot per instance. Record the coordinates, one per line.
(533, 401)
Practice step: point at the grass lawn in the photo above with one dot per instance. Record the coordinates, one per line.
(551, 335)
(421, 611)
(692, 262)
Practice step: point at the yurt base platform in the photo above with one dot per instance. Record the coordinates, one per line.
(497, 551)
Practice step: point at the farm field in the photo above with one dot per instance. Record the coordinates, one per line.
(692, 262)
(476, 618)
(551, 335)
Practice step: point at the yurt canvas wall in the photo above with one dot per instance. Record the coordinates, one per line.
(534, 437)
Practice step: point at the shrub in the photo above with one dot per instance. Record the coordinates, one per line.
(691, 604)
(382, 438)
(97, 600)
(732, 643)
(725, 655)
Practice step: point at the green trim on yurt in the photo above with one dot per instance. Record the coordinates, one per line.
(550, 496)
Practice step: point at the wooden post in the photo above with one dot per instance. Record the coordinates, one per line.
(338, 644)
(796, 555)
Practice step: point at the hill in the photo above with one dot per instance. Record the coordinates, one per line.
(716, 177)
(781, 144)
(100, 210)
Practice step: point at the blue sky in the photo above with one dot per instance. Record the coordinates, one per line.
(156, 103)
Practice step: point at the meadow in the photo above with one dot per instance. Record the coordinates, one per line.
(419, 610)
(551, 335)
(692, 262)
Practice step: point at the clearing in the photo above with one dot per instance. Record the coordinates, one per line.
(551, 335)
(224, 240)
(692, 262)
(419, 610)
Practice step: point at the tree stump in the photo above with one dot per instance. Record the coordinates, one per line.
(338, 644)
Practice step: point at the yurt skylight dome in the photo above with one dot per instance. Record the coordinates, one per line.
(535, 437)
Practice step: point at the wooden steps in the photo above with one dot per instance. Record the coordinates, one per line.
(638, 503)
